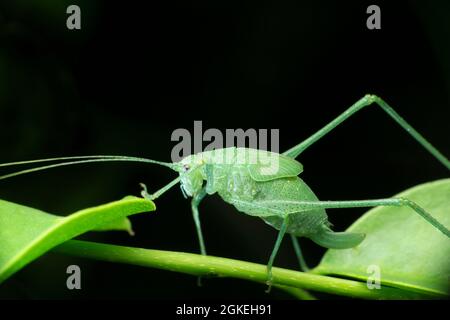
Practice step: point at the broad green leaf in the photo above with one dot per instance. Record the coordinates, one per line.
(410, 253)
(27, 233)
(122, 224)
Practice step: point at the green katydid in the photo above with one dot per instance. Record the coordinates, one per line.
(279, 197)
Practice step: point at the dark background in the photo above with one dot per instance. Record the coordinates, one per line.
(135, 72)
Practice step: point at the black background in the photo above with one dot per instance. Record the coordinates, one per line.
(138, 70)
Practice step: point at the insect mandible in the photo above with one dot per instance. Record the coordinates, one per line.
(279, 197)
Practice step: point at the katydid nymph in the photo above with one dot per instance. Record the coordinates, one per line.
(279, 197)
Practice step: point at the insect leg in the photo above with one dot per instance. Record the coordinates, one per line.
(281, 234)
(158, 193)
(395, 202)
(298, 252)
(195, 214)
(359, 105)
(194, 205)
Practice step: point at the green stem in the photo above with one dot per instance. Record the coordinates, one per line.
(297, 292)
(195, 264)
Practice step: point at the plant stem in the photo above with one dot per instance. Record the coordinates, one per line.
(296, 292)
(195, 264)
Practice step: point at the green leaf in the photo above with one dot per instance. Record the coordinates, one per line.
(122, 224)
(27, 233)
(410, 253)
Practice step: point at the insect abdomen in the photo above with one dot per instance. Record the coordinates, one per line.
(274, 199)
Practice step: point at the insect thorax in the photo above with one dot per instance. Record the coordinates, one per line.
(225, 172)
(232, 181)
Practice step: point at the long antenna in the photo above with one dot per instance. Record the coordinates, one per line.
(81, 158)
(87, 159)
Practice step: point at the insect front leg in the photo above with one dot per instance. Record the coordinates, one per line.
(195, 214)
(146, 195)
(281, 234)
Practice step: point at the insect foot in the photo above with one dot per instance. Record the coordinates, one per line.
(144, 192)
(269, 281)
